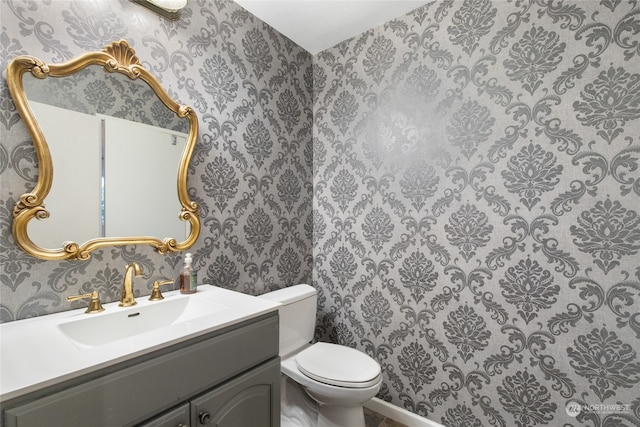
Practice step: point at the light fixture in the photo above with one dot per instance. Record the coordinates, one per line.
(169, 9)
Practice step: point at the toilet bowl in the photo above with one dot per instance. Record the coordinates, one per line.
(339, 379)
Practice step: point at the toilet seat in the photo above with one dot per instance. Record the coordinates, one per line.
(338, 365)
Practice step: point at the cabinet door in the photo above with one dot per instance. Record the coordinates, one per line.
(178, 417)
(250, 400)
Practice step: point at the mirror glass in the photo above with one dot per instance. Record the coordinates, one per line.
(122, 158)
(113, 150)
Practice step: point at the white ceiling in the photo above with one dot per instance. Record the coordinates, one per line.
(317, 25)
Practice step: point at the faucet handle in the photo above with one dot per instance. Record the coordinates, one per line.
(156, 295)
(94, 305)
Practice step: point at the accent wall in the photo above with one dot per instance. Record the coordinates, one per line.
(477, 209)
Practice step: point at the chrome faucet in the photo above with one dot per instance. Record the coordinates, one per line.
(127, 299)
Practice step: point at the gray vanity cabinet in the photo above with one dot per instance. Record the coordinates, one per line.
(228, 378)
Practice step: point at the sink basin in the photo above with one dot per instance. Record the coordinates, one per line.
(98, 329)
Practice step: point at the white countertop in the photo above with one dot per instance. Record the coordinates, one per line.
(35, 353)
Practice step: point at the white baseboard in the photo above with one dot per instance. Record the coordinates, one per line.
(399, 414)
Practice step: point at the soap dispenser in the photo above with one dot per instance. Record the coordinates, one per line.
(188, 277)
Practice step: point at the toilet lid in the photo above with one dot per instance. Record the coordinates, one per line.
(338, 365)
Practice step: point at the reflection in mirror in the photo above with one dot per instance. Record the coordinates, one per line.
(123, 193)
(92, 91)
(110, 146)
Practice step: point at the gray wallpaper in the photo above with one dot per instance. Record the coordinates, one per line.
(477, 209)
(251, 173)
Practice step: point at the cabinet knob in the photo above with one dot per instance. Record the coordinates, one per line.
(183, 425)
(204, 417)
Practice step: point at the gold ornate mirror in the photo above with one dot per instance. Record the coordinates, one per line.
(109, 142)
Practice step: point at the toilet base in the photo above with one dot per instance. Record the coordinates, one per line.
(340, 416)
(297, 409)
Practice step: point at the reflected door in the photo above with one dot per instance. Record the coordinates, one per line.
(140, 180)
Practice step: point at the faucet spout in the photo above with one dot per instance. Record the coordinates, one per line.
(127, 299)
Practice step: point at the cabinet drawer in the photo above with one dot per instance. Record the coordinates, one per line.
(137, 392)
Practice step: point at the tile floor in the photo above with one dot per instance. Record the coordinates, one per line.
(374, 419)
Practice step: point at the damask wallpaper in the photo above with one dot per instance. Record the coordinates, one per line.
(251, 173)
(477, 209)
(461, 184)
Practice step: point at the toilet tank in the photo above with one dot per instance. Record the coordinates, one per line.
(297, 316)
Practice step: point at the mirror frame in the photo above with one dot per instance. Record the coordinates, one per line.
(118, 57)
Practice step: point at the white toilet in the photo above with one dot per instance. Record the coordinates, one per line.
(339, 378)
